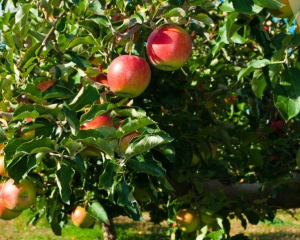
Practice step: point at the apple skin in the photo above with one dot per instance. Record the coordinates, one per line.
(2, 167)
(128, 76)
(169, 47)
(18, 197)
(6, 214)
(43, 86)
(81, 218)
(187, 220)
(101, 120)
(287, 11)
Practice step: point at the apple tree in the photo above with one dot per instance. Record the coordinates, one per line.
(214, 135)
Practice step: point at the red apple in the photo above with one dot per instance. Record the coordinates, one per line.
(81, 218)
(5, 213)
(169, 47)
(2, 167)
(43, 86)
(101, 120)
(18, 197)
(128, 76)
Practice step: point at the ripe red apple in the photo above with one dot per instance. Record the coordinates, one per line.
(81, 218)
(290, 9)
(5, 213)
(187, 220)
(43, 86)
(169, 47)
(128, 76)
(101, 120)
(2, 167)
(18, 197)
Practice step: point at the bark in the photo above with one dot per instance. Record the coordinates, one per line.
(109, 231)
(281, 196)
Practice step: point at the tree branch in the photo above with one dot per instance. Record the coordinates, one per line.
(46, 39)
(285, 197)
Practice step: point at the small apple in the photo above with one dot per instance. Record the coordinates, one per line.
(43, 86)
(290, 9)
(169, 47)
(101, 120)
(2, 167)
(18, 197)
(141, 194)
(187, 220)
(128, 76)
(6, 214)
(81, 218)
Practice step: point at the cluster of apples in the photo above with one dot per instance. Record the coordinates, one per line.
(168, 48)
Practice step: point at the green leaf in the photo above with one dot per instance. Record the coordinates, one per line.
(131, 125)
(287, 94)
(246, 6)
(80, 61)
(71, 118)
(64, 177)
(98, 212)
(97, 8)
(82, 40)
(147, 165)
(85, 97)
(146, 142)
(258, 83)
(36, 146)
(30, 53)
(216, 235)
(126, 200)
(96, 110)
(174, 12)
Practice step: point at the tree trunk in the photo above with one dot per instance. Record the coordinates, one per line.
(109, 231)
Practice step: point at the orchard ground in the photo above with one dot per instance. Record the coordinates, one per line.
(283, 227)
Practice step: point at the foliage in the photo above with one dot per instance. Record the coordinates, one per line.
(242, 76)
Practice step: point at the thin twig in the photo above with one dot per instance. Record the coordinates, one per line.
(46, 39)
